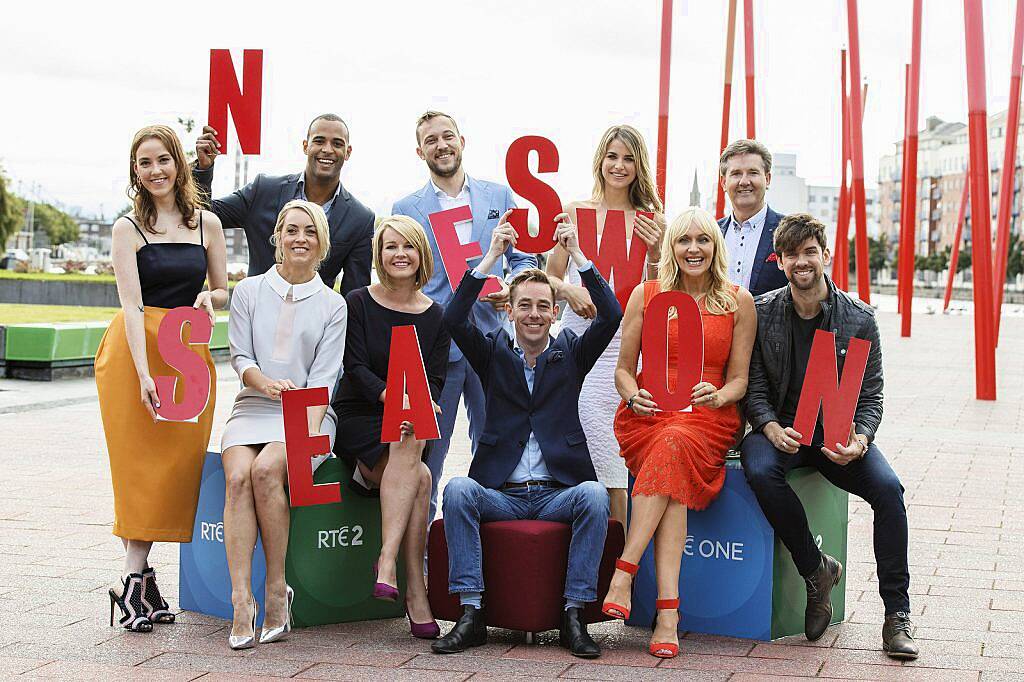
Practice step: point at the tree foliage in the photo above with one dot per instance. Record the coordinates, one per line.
(1015, 262)
(9, 219)
(878, 253)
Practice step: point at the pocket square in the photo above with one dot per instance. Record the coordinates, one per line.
(493, 214)
(555, 356)
(772, 257)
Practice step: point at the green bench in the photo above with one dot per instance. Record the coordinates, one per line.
(48, 351)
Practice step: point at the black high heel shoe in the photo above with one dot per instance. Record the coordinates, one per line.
(154, 606)
(134, 618)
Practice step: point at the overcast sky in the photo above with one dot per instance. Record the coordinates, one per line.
(80, 78)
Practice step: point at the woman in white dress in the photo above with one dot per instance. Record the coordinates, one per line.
(287, 330)
(622, 182)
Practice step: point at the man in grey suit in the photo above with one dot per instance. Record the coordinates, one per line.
(439, 144)
(254, 208)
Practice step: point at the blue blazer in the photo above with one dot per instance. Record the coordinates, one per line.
(551, 412)
(765, 276)
(254, 208)
(488, 201)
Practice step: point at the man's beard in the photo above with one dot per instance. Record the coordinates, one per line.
(444, 173)
(811, 285)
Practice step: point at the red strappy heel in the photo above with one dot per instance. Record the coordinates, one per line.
(611, 609)
(664, 649)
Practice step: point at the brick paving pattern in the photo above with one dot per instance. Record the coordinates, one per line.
(960, 460)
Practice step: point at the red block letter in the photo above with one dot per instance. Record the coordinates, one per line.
(407, 377)
(838, 402)
(611, 255)
(689, 352)
(194, 370)
(537, 192)
(454, 253)
(302, 447)
(246, 102)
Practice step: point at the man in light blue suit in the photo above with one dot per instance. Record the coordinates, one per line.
(439, 144)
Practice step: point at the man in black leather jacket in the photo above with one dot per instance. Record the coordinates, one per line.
(787, 319)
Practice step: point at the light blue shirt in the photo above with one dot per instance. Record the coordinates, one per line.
(741, 242)
(531, 465)
(300, 193)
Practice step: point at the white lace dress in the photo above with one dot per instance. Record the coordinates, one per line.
(599, 399)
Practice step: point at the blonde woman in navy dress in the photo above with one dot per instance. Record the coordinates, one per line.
(287, 330)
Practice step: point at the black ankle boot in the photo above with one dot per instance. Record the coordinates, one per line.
(573, 635)
(896, 639)
(470, 630)
(818, 614)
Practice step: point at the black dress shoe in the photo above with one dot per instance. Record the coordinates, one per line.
(573, 635)
(896, 639)
(469, 630)
(818, 614)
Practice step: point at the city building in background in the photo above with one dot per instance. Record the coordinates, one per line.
(790, 193)
(942, 161)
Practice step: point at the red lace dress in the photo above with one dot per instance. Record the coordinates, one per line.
(682, 454)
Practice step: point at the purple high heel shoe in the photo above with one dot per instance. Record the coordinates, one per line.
(429, 630)
(383, 591)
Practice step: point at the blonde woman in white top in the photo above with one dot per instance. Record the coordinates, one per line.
(287, 330)
(623, 182)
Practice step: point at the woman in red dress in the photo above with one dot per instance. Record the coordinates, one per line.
(678, 458)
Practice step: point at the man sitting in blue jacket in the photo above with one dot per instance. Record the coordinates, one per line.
(532, 460)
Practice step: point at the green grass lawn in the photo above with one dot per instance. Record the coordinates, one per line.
(18, 313)
(50, 277)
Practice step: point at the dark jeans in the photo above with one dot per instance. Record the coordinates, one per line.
(467, 504)
(870, 478)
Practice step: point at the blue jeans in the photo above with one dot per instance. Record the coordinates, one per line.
(461, 381)
(467, 504)
(870, 478)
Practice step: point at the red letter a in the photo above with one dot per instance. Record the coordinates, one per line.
(407, 377)
(195, 373)
(611, 257)
(537, 192)
(838, 402)
(689, 353)
(301, 447)
(245, 103)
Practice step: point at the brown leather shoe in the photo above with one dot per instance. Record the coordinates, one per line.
(818, 614)
(896, 639)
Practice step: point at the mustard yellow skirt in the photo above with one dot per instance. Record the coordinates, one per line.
(155, 467)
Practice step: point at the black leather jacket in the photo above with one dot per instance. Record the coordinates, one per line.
(844, 316)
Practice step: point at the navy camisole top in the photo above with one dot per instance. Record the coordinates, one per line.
(171, 275)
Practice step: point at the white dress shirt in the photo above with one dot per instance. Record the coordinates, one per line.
(463, 228)
(741, 244)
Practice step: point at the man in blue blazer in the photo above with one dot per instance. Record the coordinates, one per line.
(532, 461)
(254, 208)
(439, 144)
(745, 168)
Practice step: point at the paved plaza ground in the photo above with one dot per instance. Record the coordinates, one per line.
(961, 461)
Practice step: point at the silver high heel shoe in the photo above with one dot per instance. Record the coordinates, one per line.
(246, 641)
(268, 635)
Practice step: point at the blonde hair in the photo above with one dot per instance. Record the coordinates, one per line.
(642, 192)
(319, 218)
(186, 193)
(719, 296)
(413, 233)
